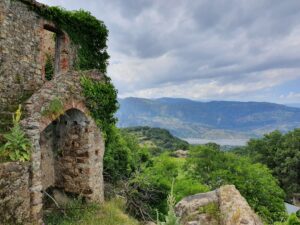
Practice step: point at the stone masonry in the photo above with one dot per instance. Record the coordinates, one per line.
(74, 138)
(22, 57)
(67, 148)
(14, 193)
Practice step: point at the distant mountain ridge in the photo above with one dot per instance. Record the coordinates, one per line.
(216, 119)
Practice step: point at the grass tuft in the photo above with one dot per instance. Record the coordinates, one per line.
(109, 213)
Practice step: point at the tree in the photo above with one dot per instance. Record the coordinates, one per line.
(255, 182)
(281, 153)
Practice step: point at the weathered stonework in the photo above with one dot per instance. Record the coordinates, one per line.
(67, 151)
(14, 193)
(22, 57)
(68, 148)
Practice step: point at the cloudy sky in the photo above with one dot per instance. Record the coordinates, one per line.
(201, 49)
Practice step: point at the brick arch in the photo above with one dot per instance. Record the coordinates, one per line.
(70, 104)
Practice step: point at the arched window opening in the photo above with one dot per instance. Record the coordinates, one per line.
(51, 38)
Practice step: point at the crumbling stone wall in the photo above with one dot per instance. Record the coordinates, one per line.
(22, 58)
(68, 156)
(82, 146)
(14, 193)
(67, 150)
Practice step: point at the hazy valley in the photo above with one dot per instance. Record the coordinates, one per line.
(224, 122)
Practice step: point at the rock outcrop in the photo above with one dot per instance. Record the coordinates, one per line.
(234, 208)
(180, 154)
(224, 206)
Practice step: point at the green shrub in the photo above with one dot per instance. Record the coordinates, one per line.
(280, 152)
(122, 156)
(17, 146)
(54, 109)
(101, 99)
(254, 181)
(148, 189)
(170, 218)
(211, 209)
(49, 67)
(292, 220)
(85, 31)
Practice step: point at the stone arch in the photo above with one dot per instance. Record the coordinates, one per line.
(67, 153)
(88, 162)
(70, 153)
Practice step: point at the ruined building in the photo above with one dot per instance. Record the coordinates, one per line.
(67, 151)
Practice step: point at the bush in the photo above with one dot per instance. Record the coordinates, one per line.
(170, 218)
(122, 156)
(17, 146)
(108, 213)
(148, 189)
(49, 67)
(280, 152)
(54, 109)
(254, 181)
(292, 220)
(101, 99)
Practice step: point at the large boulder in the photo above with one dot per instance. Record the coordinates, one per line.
(234, 208)
(199, 209)
(223, 206)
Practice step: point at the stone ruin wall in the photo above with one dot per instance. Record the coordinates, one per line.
(14, 193)
(67, 152)
(66, 149)
(23, 43)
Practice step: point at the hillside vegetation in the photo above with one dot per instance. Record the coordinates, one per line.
(208, 120)
(156, 139)
(281, 153)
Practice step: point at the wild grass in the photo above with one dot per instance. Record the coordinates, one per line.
(109, 213)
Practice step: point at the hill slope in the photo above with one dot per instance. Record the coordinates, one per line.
(217, 119)
(157, 138)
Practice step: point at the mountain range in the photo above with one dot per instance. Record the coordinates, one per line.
(208, 120)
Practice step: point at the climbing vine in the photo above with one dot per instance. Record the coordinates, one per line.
(101, 99)
(85, 31)
(89, 35)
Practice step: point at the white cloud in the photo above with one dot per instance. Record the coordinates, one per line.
(232, 49)
(291, 97)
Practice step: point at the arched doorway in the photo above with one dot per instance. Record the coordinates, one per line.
(71, 155)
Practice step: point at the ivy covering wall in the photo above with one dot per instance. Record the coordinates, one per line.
(85, 31)
(89, 35)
